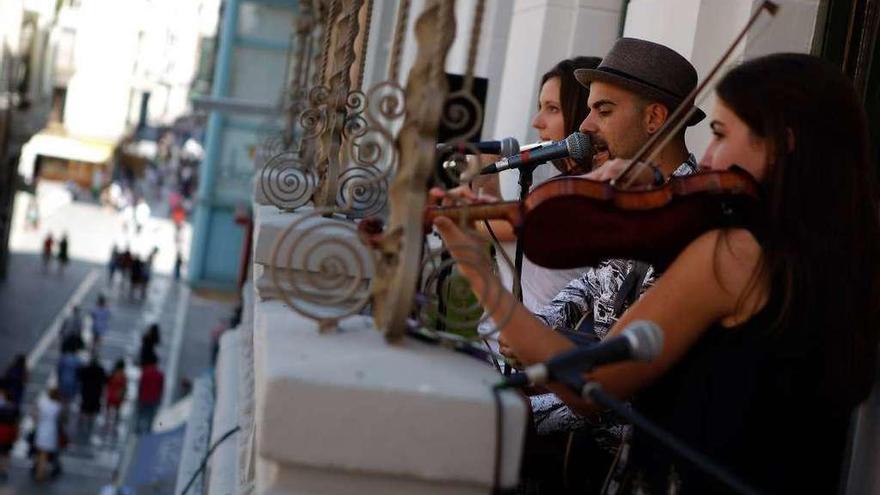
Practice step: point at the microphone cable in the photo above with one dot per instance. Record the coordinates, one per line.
(204, 464)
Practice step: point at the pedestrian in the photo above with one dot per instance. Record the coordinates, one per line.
(149, 341)
(125, 265)
(115, 394)
(178, 264)
(47, 251)
(100, 321)
(32, 214)
(148, 268)
(149, 394)
(63, 256)
(137, 278)
(15, 378)
(113, 264)
(68, 377)
(8, 430)
(71, 332)
(92, 379)
(49, 436)
(141, 215)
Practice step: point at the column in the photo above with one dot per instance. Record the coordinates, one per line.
(543, 32)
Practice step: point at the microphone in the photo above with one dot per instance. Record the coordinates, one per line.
(576, 146)
(505, 147)
(641, 340)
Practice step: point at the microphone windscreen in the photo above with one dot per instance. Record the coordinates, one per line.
(509, 147)
(646, 339)
(579, 145)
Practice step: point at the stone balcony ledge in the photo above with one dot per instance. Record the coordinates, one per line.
(349, 406)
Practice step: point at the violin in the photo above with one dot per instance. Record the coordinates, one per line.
(571, 222)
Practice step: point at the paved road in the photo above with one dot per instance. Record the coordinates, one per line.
(30, 299)
(89, 462)
(33, 302)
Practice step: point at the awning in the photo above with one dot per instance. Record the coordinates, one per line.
(64, 147)
(71, 148)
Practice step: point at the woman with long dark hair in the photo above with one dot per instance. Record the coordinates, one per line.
(562, 106)
(771, 330)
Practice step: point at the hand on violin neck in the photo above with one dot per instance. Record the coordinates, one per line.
(641, 175)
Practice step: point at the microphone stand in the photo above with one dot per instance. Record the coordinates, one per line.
(526, 178)
(593, 391)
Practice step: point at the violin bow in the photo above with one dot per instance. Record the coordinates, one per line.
(688, 106)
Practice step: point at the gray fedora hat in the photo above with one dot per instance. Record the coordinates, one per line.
(649, 69)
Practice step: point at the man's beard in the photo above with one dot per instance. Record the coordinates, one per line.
(570, 166)
(601, 154)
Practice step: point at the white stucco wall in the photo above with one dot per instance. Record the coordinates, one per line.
(702, 29)
(154, 48)
(98, 93)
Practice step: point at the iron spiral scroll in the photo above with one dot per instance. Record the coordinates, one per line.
(322, 269)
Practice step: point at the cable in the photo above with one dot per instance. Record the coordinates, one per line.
(208, 456)
(499, 248)
(499, 431)
(492, 356)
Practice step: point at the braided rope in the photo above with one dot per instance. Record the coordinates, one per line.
(327, 35)
(365, 43)
(345, 48)
(399, 36)
(304, 30)
(474, 47)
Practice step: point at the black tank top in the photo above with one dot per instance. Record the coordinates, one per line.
(748, 398)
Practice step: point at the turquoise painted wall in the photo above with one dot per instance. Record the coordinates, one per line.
(251, 62)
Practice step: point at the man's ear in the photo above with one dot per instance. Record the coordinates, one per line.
(655, 116)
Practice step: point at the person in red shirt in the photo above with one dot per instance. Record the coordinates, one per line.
(115, 394)
(149, 394)
(8, 430)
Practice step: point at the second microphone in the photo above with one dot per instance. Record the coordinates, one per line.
(577, 146)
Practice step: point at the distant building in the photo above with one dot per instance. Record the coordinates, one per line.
(118, 66)
(25, 90)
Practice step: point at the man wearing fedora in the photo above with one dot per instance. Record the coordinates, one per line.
(632, 93)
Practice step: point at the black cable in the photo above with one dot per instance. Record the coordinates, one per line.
(499, 431)
(699, 460)
(492, 357)
(516, 282)
(208, 456)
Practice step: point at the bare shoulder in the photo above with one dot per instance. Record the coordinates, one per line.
(729, 260)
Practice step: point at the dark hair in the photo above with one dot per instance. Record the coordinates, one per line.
(120, 364)
(149, 358)
(572, 95)
(821, 239)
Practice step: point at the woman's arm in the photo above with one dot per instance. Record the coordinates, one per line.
(684, 302)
